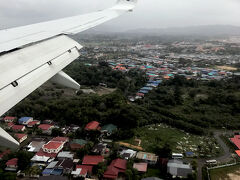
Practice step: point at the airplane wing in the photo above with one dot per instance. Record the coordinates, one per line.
(33, 54)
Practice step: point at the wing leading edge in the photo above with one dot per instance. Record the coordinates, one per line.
(21, 36)
(33, 54)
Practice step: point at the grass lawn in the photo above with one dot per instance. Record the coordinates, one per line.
(228, 173)
(179, 141)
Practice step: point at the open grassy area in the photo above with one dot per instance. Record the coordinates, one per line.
(179, 141)
(228, 173)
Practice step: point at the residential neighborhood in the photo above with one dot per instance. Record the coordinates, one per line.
(74, 158)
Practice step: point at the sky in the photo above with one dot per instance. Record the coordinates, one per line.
(148, 14)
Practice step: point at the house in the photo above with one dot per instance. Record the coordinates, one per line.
(117, 166)
(77, 144)
(53, 147)
(141, 167)
(21, 137)
(108, 129)
(36, 145)
(128, 153)
(47, 121)
(64, 166)
(74, 128)
(93, 126)
(4, 153)
(65, 155)
(46, 128)
(92, 160)
(8, 119)
(18, 128)
(12, 165)
(43, 157)
(10, 125)
(101, 149)
(150, 158)
(33, 123)
(61, 139)
(178, 169)
(25, 120)
(236, 141)
(82, 171)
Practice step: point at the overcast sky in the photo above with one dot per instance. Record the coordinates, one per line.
(148, 14)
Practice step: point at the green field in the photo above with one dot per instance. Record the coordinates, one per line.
(179, 141)
(228, 173)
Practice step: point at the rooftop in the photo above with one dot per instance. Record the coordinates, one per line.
(52, 145)
(18, 127)
(141, 167)
(10, 118)
(92, 160)
(12, 162)
(24, 119)
(60, 139)
(20, 136)
(94, 125)
(42, 153)
(45, 126)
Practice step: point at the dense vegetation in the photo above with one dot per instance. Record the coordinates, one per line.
(128, 82)
(190, 105)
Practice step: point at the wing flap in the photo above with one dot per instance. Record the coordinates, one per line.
(19, 63)
(52, 62)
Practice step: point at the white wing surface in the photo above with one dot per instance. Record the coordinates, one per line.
(20, 36)
(33, 54)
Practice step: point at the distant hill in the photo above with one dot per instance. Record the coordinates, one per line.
(211, 30)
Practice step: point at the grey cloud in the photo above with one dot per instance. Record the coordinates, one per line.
(149, 13)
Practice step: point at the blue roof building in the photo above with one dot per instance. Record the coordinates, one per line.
(25, 120)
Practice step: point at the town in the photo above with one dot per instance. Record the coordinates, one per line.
(91, 149)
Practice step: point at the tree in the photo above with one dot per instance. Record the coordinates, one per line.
(163, 152)
(100, 169)
(56, 132)
(24, 159)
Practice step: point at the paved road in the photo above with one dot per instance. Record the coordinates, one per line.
(227, 155)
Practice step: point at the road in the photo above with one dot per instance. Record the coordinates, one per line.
(227, 155)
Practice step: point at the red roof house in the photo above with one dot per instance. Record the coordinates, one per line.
(92, 160)
(82, 171)
(33, 123)
(236, 140)
(46, 128)
(42, 156)
(4, 153)
(238, 152)
(117, 166)
(42, 153)
(88, 168)
(111, 173)
(21, 137)
(12, 164)
(18, 128)
(53, 147)
(61, 139)
(93, 126)
(9, 119)
(10, 125)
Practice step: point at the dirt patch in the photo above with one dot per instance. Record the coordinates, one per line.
(234, 176)
(102, 90)
(228, 68)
